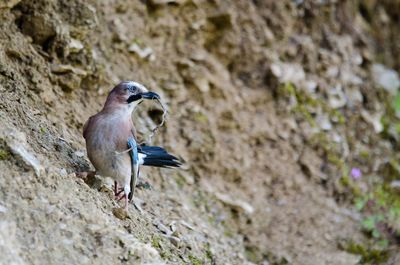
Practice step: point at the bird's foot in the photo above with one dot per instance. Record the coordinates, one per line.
(136, 203)
(118, 193)
(120, 196)
(123, 193)
(117, 196)
(123, 196)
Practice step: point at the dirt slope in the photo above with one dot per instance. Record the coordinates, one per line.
(258, 185)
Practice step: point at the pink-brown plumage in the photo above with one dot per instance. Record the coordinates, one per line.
(107, 135)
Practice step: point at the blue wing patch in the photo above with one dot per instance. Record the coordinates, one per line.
(135, 163)
(134, 152)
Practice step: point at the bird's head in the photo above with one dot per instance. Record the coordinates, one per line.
(129, 94)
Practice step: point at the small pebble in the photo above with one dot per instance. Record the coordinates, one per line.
(187, 225)
(3, 209)
(174, 240)
(120, 213)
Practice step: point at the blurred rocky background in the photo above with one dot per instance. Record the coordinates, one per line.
(286, 114)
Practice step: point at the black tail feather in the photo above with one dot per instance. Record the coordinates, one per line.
(161, 163)
(158, 157)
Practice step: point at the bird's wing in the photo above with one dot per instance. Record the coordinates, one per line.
(134, 150)
(135, 164)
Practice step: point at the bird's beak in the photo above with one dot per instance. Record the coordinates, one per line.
(150, 95)
(145, 95)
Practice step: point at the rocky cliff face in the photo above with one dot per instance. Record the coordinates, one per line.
(271, 104)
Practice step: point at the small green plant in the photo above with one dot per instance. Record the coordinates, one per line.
(201, 117)
(379, 205)
(396, 102)
(381, 216)
(156, 242)
(4, 154)
(369, 254)
(194, 260)
(304, 102)
(209, 254)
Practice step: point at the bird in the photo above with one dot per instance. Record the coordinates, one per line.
(111, 140)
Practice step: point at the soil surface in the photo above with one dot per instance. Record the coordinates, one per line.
(270, 104)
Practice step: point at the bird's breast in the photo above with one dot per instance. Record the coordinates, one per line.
(106, 137)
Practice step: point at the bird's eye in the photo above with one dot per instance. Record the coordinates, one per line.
(131, 88)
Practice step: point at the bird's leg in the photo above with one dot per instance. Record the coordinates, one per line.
(117, 190)
(125, 192)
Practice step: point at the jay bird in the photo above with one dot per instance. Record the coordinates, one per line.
(111, 140)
